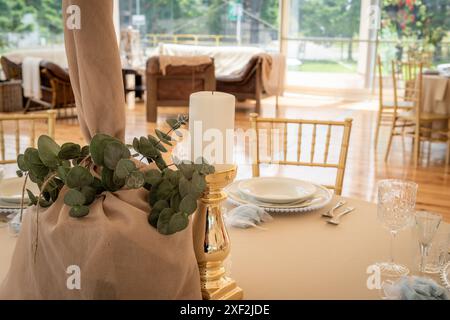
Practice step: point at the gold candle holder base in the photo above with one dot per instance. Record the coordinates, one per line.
(211, 241)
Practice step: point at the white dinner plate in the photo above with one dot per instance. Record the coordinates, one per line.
(277, 190)
(11, 190)
(320, 199)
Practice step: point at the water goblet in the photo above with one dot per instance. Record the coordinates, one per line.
(396, 206)
(427, 224)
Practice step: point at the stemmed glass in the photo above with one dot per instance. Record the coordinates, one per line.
(396, 203)
(427, 224)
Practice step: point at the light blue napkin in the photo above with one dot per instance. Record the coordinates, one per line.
(246, 216)
(419, 288)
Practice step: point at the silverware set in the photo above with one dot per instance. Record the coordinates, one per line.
(335, 218)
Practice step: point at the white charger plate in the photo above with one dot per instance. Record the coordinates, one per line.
(11, 190)
(277, 189)
(323, 194)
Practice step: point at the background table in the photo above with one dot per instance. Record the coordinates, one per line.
(436, 94)
(300, 256)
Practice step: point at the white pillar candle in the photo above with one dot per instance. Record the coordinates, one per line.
(211, 126)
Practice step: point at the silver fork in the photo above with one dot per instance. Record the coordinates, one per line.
(330, 213)
(335, 220)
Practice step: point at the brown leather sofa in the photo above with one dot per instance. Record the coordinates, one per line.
(176, 85)
(246, 84)
(55, 85)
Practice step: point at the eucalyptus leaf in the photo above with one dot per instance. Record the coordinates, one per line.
(48, 151)
(21, 163)
(164, 190)
(97, 185)
(184, 187)
(152, 196)
(69, 151)
(198, 182)
(113, 153)
(79, 211)
(152, 177)
(124, 168)
(163, 137)
(62, 172)
(173, 123)
(32, 197)
(136, 144)
(109, 182)
(74, 198)
(188, 204)
(156, 210)
(97, 147)
(147, 149)
(164, 220)
(89, 193)
(187, 169)
(175, 201)
(33, 178)
(34, 163)
(160, 163)
(135, 180)
(79, 177)
(172, 175)
(84, 151)
(179, 221)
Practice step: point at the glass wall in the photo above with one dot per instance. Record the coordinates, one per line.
(203, 22)
(30, 24)
(323, 43)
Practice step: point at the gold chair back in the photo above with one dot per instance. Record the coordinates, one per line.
(16, 123)
(340, 165)
(406, 74)
(413, 88)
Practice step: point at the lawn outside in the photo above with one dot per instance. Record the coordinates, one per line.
(327, 66)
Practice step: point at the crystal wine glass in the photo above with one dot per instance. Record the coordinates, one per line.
(427, 224)
(396, 203)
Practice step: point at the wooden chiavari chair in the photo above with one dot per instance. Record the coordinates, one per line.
(420, 122)
(386, 107)
(346, 125)
(16, 120)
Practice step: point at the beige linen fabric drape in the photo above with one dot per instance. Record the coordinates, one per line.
(119, 255)
(95, 69)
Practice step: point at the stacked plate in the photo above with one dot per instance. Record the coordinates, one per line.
(11, 193)
(278, 194)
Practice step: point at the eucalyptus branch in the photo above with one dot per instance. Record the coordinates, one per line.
(38, 205)
(173, 193)
(23, 196)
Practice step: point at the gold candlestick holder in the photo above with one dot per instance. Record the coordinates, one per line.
(211, 241)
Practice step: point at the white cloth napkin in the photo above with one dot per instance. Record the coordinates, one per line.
(246, 216)
(31, 77)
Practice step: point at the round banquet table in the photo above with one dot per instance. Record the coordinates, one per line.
(300, 256)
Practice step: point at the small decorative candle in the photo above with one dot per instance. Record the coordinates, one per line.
(211, 126)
